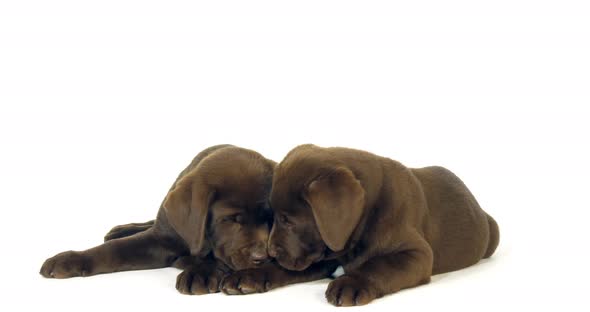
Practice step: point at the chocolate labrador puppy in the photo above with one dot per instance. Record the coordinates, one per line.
(214, 220)
(391, 227)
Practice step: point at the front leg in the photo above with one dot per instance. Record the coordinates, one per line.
(382, 275)
(200, 275)
(141, 251)
(272, 276)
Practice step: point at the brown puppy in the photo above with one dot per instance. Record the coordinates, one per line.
(389, 226)
(215, 219)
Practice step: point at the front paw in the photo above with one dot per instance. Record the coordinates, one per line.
(66, 264)
(347, 291)
(246, 282)
(198, 282)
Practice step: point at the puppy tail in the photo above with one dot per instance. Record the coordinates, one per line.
(494, 237)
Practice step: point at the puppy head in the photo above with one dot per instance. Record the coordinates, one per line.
(222, 206)
(317, 204)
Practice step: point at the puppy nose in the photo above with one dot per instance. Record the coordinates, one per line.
(259, 256)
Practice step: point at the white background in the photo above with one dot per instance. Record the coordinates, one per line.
(102, 103)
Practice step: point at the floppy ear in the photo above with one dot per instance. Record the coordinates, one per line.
(337, 202)
(186, 207)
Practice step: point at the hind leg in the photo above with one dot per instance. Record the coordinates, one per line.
(125, 230)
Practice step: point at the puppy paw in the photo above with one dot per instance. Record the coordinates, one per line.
(348, 291)
(66, 264)
(198, 282)
(246, 282)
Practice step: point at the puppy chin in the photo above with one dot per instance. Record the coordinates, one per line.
(234, 263)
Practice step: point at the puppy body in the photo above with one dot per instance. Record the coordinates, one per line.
(459, 232)
(430, 204)
(389, 226)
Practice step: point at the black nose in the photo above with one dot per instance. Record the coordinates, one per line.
(258, 256)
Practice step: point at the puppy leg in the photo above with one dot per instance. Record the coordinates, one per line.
(272, 276)
(125, 230)
(380, 276)
(141, 251)
(200, 275)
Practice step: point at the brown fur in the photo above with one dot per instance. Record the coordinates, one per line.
(214, 220)
(389, 226)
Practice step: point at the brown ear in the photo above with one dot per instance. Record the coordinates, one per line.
(337, 202)
(186, 207)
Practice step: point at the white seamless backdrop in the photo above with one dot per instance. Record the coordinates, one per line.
(102, 103)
